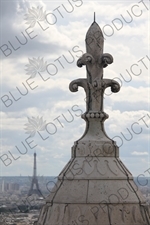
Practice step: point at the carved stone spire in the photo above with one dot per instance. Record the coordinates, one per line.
(95, 187)
(94, 85)
(95, 61)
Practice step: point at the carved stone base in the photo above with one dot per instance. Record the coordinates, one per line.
(95, 191)
(93, 214)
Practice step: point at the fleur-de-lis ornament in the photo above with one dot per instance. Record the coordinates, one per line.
(94, 85)
(95, 61)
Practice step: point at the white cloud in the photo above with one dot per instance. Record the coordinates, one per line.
(132, 95)
(139, 153)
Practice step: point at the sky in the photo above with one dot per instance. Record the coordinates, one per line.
(40, 44)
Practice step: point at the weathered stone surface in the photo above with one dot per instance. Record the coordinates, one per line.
(93, 214)
(95, 187)
(94, 168)
(112, 191)
(95, 148)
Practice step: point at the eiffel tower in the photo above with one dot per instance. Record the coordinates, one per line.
(33, 190)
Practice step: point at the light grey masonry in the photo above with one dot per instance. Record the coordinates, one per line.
(95, 187)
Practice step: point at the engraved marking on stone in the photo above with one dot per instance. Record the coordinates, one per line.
(113, 199)
(75, 213)
(96, 94)
(119, 167)
(131, 188)
(108, 148)
(49, 213)
(133, 213)
(69, 174)
(67, 215)
(90, 168)
(57, 213)
(124, 210)
(80, 169)
(100, 169)
(81, 148)
(81, 151)
(98, 152)
(110, 210)
(83, 220)
(74, 170)
(44, 213)
(142, 214)
(125, 168)
(104, 204)
(95, 211)
(123, 193)
(90, 147)
(107, 163)
(88, 160)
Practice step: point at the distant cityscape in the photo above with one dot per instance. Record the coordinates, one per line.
(17, 208)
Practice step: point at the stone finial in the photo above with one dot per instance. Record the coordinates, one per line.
(94, 60)
(94, 85)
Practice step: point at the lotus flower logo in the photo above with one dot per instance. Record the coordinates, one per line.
(35, 15)
(35, 66)
(35, 124)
